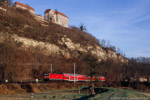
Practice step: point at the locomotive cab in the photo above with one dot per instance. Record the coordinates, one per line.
(46, 76)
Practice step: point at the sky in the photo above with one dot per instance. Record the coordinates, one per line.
(125, 23)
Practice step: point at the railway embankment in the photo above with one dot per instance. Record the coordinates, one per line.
(24, 88)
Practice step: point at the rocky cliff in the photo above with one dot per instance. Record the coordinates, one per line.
(71, 49)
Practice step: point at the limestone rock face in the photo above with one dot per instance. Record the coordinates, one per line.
(71, 49)
(3, 9)
(98, 50)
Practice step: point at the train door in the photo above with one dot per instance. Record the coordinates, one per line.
(72, 78)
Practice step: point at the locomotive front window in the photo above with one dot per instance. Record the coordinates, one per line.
(46, 74)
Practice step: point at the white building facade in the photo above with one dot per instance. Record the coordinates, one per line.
(56, 17)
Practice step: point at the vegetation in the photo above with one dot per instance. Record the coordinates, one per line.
(82, 27)
(92, 65)
(7, 1)
(120, 94)
(107, 46)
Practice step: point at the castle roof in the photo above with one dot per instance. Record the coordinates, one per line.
(21, 4)
(55, 12)
(47, 10)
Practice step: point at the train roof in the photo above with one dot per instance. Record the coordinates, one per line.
(73, 74)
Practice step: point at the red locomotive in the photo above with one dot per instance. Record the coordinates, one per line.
(72, 77)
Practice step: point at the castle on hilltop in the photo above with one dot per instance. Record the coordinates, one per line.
(49, 15)
(56, 17)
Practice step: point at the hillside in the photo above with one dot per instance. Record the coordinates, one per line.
(29, 46)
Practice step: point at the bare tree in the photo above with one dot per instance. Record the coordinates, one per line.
(92, 64)
(8, 1)
(102, 43)
(3, 0)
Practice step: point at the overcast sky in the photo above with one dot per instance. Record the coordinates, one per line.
(125, 23)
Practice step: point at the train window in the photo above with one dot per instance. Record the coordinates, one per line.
(46, 74)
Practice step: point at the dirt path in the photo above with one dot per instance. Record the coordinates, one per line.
(145, 93)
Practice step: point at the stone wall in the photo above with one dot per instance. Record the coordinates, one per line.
(18, 6)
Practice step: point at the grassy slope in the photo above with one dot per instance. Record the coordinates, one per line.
(112, 94)
(120, 94)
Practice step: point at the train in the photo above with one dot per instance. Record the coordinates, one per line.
(72, 77)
